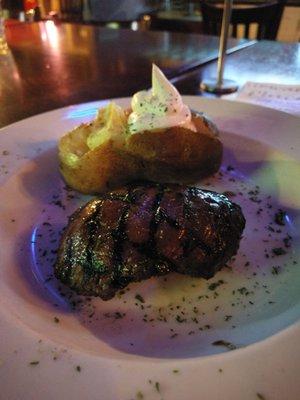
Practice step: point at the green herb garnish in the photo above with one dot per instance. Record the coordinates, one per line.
(34, 363)
(279, 217)
(139, 298)
(224, 343)
(278, 251)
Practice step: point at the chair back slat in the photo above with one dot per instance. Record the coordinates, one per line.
(71, 10)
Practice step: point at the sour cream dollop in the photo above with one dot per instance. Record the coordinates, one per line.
(159, 108)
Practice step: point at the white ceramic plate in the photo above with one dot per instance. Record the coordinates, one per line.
(56, 346)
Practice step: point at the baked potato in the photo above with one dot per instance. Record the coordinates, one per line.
(103, 154)
(92, 156)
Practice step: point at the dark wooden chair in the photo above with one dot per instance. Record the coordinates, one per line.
(71, 10)
(267, 16)
(176, 24)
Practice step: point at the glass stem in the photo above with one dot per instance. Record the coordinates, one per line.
(223, 40)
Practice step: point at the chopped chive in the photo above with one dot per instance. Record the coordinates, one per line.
(157, 386)
(34, 363)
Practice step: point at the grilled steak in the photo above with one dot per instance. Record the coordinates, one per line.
(144, 230)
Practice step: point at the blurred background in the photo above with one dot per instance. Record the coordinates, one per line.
(169, 15)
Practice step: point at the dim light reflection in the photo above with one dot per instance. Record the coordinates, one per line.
(121, 66)
(16, 76)
(83, 32)
(87, 111)
(10, 65)
(76, 42)
(134, 26)
(49, 34)
(298, 55)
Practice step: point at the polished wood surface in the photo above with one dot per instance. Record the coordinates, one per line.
(50, 66)
(265, 61)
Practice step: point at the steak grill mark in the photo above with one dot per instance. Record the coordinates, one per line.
(171, 227)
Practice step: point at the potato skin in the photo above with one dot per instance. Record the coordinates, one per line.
(170, 155)
(100, 169)
(178, 154)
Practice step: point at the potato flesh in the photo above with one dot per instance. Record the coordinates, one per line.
(112, 120)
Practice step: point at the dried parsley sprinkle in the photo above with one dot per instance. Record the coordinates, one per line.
(287, 241)
(139, 395)
(78, 368)
(180, 319)
(118, 315)
(275, 270)
(34, 363)
(230, 168)
(278, 251)
(260, 396)
(139, 298)
(214, 285)
(56, 320)
(279, 217)
(175, 371)
(243, 290)
(224, 343)
(157, 386)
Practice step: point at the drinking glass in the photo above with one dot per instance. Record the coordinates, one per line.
(221, 85)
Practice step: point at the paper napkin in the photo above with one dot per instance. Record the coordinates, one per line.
(281, 97)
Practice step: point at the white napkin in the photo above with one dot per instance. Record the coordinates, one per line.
(281, 97)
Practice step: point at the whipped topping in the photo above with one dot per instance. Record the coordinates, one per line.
(159, 108)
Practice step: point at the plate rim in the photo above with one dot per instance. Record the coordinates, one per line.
(273, 340)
